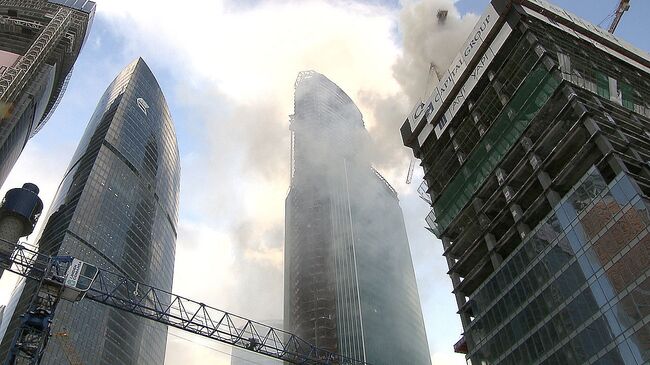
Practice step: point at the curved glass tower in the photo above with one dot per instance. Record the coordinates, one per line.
(117, 208)
(349, 280)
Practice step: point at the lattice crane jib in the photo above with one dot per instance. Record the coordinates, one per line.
(53, 275)
(14, 78)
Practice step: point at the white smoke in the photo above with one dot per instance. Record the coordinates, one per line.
(429, 44)
(238, 66)
(433, 32)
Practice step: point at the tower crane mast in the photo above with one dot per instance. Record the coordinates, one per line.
(63, 277)
(623, 6)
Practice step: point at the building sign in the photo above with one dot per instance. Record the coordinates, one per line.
(143, 105)
(473, 77)
(458, 99)
(415, 115)
(428, 109)
(73, 273)
(479, 33)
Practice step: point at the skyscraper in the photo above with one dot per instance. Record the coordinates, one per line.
(39, 43)
(349, 280)
(117, 208)
(535, 147)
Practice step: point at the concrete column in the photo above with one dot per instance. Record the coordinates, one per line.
(495, 258)
(523, 229)
(534, 161)
(446, 243)
(455, 281)
(477, 204)
(591, 126)
(616, 164)
(517, 212)
(501, 175)
(604, 146)
(483, 220)
(544, 179)
(553, 197)
(526, 143)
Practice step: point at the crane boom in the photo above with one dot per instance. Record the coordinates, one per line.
(409, 173)
(623, 6)
(173, 310)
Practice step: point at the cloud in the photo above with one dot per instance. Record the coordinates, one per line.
(250, 57)
(430, 42)
(185, 348)
(228, 72)
(240, 65)
(37, 165)
(446, 358)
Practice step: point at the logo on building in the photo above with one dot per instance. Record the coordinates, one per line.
(143, 105)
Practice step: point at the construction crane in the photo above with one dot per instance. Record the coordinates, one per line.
(67, 278)
(433, 78)
(623, 6)
(409, 173)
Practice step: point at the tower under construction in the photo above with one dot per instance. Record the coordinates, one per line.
(349, 280)
(535, 147)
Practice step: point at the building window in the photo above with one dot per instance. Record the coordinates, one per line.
(627, 95)
(602, 85)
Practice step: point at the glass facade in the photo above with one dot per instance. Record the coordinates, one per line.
(117, 208)
(349, 280)
(576, 290)
(50, 35)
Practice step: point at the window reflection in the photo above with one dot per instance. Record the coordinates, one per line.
(565, 256)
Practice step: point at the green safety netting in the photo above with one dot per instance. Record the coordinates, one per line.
(529, 98)
(602, 85)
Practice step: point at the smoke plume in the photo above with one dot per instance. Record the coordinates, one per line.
(432, 33)
(228, 72)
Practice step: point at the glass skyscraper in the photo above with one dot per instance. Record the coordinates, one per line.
(535, 147)
(117, 208)
(349, 280)
(39, 43)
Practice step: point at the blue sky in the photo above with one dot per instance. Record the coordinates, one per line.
(227, 72)
(632, 27)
